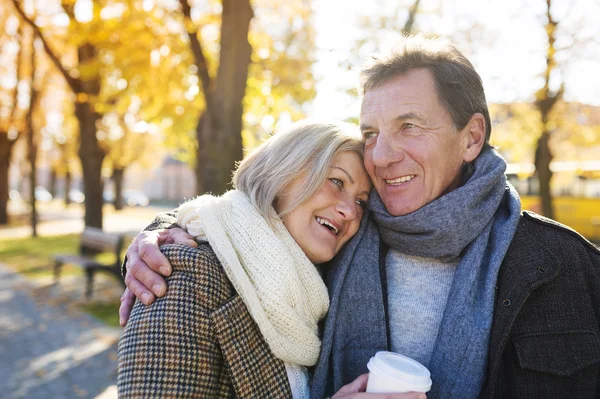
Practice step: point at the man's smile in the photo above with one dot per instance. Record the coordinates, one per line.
(400, 180)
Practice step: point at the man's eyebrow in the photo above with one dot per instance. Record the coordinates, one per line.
(402, 117)
(409, 115)
(347, 174)
(364, 126)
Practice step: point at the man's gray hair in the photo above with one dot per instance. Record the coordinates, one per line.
(458, 85)
(305, 150)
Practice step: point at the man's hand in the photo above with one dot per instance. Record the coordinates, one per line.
(146, 264)
(356, 390)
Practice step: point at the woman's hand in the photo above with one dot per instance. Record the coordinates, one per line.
(146, 266)
(356, 390)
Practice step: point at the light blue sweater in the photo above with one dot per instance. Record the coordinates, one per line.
(418, 289)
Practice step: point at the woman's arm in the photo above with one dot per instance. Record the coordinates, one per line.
(168, 349)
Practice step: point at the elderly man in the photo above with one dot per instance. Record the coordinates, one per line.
(445, 268)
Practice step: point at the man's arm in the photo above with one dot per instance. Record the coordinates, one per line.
(144, 265)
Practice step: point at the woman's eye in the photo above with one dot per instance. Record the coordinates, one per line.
(337, 182)
(362, 204)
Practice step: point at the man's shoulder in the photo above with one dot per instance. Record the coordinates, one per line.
(537, 231)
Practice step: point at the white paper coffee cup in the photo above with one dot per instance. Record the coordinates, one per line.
(394, 373)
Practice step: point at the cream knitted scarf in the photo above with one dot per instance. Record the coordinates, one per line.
(281, 288)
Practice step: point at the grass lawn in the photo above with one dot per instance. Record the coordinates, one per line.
(33, 258)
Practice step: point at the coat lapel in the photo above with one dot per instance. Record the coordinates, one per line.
(255, 371)
(528, 265)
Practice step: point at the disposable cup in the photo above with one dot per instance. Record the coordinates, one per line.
(394, 373)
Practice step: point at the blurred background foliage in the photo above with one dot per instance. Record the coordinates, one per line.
(96, 92)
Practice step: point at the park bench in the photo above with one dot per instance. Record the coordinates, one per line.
(93, 241)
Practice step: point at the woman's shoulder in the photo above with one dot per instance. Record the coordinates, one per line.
(201, 268)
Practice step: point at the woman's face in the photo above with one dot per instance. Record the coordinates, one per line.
(322, 224)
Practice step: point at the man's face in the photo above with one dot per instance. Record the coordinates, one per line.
(413, 153)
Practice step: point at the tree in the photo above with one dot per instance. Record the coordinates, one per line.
(104, 58)
(264, 83)
(11, 116)
(32, 135)
(85, 84)
(545, 101)
(219, 128)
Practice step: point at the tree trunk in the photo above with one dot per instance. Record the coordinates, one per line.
(90, 153)
(52, 188)
(67, 187)
(6, 146)
(545, 101)
(118, 181)
(543, 157)
(91, 157)
(32, 139)
(219, 129)
(32, 156)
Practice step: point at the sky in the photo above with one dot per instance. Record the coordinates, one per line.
(507, 47)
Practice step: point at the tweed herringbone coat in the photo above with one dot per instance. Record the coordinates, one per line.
(197, 341)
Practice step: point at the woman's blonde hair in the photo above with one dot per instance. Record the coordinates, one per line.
(305, 150)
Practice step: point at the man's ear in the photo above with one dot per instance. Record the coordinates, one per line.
(474, 137)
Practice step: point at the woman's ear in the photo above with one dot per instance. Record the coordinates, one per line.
(474, 137)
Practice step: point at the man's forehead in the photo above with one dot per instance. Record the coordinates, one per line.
(391, 103)
(403, 94)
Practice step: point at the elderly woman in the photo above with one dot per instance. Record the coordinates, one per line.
(240, 318)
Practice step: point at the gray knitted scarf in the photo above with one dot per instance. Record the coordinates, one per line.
(476, 221)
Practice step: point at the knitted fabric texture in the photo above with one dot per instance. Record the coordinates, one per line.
(281, 288)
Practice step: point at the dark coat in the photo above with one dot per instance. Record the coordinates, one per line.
(545, 340)
(197, 341)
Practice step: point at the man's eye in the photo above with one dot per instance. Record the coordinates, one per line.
(369, 135)
(337, 182)
(362, 204)
(409, 125)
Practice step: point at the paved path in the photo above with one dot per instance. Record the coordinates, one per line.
(50, 350)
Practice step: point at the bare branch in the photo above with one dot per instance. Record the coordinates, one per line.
(13, 110)
(75, 84)
(197, 50)
(412, 12)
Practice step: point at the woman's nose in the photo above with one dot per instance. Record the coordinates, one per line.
(347, 208)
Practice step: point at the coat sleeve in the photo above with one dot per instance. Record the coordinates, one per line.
(169, 349)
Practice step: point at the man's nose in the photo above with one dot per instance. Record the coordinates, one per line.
(386, 151)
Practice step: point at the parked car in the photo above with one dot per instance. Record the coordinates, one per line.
(135, 198)
(42, 195)
(14, 195)
(76, 196)
(108, 197)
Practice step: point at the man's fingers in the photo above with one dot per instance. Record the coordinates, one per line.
(139, 290)
(149, 280)
(180, 236)
(149, 252)
(127, 300)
